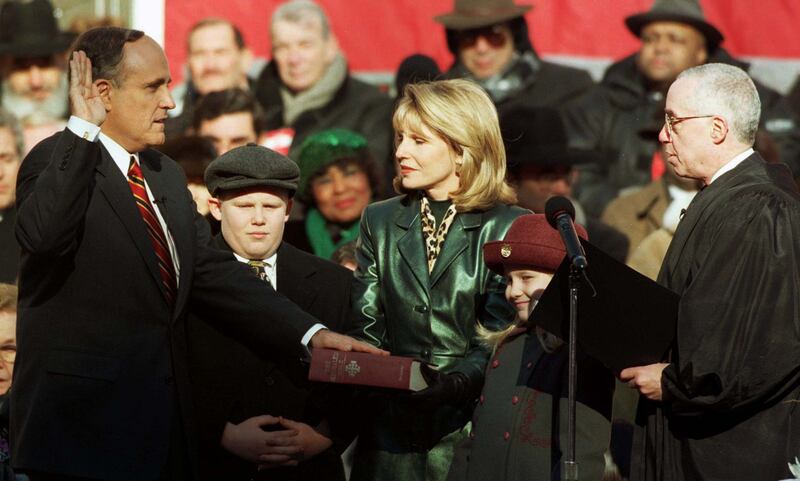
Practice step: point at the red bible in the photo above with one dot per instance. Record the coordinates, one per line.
(328, 365)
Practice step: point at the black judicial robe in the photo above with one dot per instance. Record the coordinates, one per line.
(730, 409)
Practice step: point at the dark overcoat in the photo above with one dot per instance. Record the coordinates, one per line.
(101, 376)
(519, 430)
(231, 383)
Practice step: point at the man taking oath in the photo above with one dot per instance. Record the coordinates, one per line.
(723, 408)
(114, 256)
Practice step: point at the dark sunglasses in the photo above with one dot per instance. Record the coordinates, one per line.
(494, 35)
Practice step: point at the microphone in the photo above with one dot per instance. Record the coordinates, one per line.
(560, 214)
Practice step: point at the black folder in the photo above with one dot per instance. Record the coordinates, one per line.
(624, 318)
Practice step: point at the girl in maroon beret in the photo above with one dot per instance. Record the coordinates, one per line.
(519, 428)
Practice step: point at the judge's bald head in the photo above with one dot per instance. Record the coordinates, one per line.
(729, 92)
(712, 114)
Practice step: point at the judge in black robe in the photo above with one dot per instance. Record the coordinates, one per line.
(727, 402)
(730, 393)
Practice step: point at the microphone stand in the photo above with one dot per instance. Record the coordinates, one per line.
(569, 470)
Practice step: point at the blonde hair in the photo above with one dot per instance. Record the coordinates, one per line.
(494, 339)
(462, 115)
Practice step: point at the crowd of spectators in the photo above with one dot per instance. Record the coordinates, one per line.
(334, 152)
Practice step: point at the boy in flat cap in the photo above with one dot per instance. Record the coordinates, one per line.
(255, 414)
(519, 427)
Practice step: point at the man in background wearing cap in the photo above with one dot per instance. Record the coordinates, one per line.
(490, 41)
(34, 82)
(541, 166)
(239, 396)
(674, 36)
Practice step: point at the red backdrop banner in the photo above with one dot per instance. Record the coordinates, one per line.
(377, 34)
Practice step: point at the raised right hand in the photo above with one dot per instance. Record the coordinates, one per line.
(84, 96)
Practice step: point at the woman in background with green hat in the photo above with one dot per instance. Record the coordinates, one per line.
(338, 179)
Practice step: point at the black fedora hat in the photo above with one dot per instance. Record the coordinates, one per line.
(682, 11)
(535, 136)
(469, 14)
(29, 29)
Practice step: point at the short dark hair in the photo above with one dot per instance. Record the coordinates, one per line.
(224, 102)
(104, 47)
(192, 153)
(211, 21)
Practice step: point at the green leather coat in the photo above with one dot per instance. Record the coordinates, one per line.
(401, 308)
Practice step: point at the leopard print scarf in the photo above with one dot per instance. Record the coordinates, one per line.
(434, 237)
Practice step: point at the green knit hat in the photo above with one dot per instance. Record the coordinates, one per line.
(324, 148)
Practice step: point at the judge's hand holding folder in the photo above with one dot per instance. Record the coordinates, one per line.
(625, 320)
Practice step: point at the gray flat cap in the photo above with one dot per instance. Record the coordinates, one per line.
(251, 166)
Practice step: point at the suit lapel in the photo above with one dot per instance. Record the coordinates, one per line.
(455, 243)
(116, 190)
(410, 244)
(293, 277)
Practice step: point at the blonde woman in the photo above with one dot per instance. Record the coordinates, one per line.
(421, 284)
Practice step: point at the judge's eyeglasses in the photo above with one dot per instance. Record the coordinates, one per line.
(670, 121)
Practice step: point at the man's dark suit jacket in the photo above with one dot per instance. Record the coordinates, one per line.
(231, 384)
(102, 362)
(9, 248)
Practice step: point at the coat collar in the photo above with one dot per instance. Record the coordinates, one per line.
(412, 247)
(114, 186)
(296, 275)
(293, 271)
(699, 204)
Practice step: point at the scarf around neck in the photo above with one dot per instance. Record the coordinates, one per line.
(518, 74)
(320, 238)
(433, 235)
(318, 95)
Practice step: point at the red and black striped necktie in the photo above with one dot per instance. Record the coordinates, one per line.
(157, 237)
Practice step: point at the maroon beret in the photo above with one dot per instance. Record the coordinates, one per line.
(530, 242)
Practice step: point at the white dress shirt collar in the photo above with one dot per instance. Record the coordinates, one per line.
(732, 164)
(120, 156)
(122, 159)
